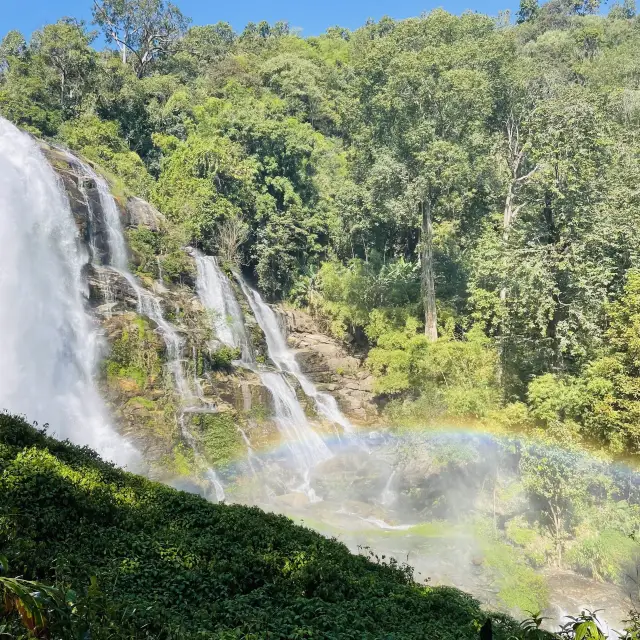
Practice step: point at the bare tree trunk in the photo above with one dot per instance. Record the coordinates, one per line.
(63, 86)
(515, 159)
(508, 217)
(557, 530)
(428, 278)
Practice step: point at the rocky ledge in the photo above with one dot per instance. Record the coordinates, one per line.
(329, 364)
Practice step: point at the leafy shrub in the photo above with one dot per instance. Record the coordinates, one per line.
(135, 355)
(537, 547)
(100, 141)
(222, 358)
(459, 374)
(519, 585)
(161, 252)
(145, 246)
(219, 436)
(371, 296)
(167, 564)
(608, 555)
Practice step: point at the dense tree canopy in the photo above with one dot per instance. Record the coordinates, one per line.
(455, 195)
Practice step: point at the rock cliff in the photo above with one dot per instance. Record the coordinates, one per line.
(329, 364)
(133, 376)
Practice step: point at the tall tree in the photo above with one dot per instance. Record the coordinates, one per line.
(428, 110)
(64, 49)
(143, 30)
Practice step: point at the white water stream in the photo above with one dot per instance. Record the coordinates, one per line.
(216, 293)
(285, 359)
(49, 346)
(149, 306)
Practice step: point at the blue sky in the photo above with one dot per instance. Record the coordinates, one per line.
(312, 17)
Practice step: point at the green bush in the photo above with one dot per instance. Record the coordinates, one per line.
(145, 246)
(608, 555)
(219, 436)
(161, 252)
(459, 375)
(520, 587)
(148, 561)
(537, 547)
(135, 355)
(222, 358)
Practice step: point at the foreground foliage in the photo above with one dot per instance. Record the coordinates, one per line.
(140, 560)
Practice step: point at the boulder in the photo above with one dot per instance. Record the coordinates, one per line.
(139, 213)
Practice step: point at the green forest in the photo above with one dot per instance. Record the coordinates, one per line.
(455, 195)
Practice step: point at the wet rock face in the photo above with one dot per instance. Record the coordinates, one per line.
(71, 181)
(240, 390)
(330, 366)
(140, 213)
(109, 292)
(84, 200)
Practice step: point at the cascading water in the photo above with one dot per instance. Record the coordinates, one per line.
(216, 294)
(49, 347)
(149, 306)
(388, 496)
(306, 446)
(285, 359)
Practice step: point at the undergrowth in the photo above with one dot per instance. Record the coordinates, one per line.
(147, 561)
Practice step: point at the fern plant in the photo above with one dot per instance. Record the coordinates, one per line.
(31, 601)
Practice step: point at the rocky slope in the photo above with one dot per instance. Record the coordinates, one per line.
(329, 364)
(133, 378)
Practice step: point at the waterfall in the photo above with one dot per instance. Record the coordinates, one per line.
(388, 496)
(306, 446)
(49, 347)
(148, 303)
(285, 359)
(149, 306)
(216, 295)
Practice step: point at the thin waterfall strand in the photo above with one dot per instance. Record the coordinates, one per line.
(285, 359)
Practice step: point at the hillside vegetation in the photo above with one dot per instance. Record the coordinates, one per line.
(137, 559)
